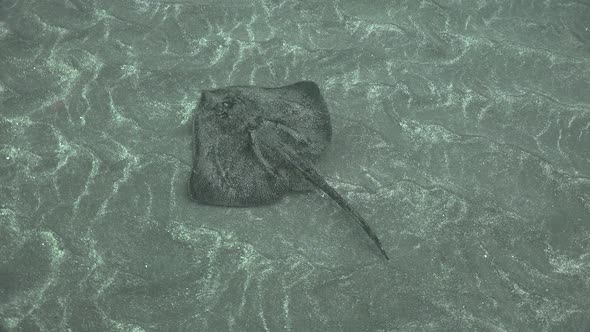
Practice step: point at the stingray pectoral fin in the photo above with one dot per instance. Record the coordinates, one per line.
(307, 88)
(307, 169)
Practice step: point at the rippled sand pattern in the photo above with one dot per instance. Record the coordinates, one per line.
(461, 130)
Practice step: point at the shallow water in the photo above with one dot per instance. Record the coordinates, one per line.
(461, 132)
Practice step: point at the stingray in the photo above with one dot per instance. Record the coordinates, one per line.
(253, 145)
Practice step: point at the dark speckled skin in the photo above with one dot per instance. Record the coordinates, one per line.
(253, 145)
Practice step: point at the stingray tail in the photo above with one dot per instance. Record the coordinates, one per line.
(310, 173)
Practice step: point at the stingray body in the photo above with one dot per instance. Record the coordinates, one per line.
(253, 145)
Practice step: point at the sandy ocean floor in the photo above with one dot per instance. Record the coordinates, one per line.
(461, 131)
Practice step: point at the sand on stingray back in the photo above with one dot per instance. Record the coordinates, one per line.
(229, 168)
(252, 145)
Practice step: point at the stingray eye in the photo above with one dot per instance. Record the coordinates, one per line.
(227, 104)
(224, 107)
